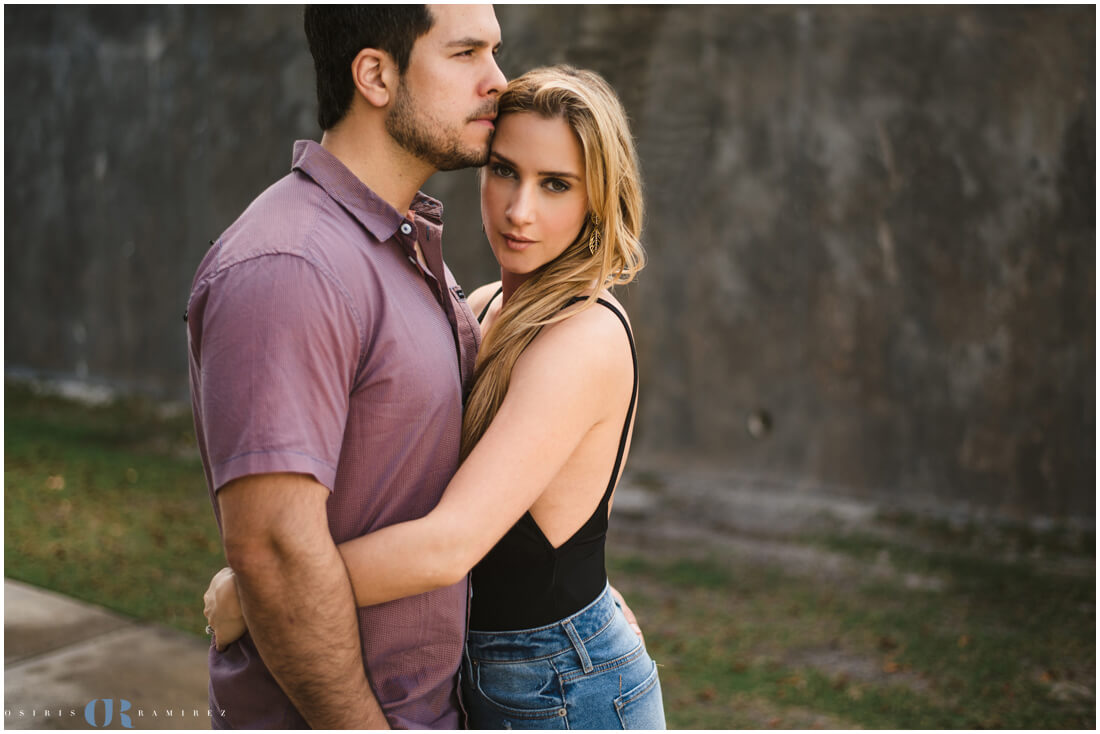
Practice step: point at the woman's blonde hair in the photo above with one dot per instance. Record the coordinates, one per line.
(591, 108)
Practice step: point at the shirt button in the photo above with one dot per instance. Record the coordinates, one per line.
(406, 228)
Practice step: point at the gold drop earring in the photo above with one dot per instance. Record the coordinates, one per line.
(594, 238)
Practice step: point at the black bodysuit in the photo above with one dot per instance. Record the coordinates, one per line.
(525, 582)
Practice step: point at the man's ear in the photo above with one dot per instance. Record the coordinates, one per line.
(375, 76)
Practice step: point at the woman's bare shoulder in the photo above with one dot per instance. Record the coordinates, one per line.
(480, 298)
(610, 298)
(605, 316)
(593, 334)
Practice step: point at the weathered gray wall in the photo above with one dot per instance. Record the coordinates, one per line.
(877, 225)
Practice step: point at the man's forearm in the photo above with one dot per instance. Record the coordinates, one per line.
(301, 614)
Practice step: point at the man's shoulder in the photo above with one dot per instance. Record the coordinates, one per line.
(293, 217)
(279, 220)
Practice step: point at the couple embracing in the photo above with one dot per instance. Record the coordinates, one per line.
(413, 486)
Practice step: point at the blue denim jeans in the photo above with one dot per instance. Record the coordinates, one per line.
(588, 671)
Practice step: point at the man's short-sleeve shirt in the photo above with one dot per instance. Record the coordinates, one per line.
(320, 345)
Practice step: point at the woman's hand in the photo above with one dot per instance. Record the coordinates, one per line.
(222, 608)
(630, 619)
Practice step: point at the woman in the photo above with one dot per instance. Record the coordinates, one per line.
(551, 412)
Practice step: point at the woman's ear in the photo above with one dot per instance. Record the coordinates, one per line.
(375, 76)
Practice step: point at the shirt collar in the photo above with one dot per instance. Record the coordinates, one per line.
(373, 212)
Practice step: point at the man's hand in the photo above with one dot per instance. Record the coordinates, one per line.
(222, 609)
(296, 598)
(627, 613)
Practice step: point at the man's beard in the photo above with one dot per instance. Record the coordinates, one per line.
(433, 144)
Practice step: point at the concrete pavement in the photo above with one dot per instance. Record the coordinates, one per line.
(61, 654)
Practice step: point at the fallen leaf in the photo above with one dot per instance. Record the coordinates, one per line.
(964, 640)
(55, 482)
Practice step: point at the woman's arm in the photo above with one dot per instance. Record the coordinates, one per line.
(559, 391)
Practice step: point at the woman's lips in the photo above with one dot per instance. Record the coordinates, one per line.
(517, 243)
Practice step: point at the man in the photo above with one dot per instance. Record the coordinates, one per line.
(330, 348)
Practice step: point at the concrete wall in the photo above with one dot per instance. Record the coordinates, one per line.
(871, 230)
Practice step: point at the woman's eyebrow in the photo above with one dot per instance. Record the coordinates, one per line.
(556, 174)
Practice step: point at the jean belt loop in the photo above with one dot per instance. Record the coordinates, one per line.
(578, 645)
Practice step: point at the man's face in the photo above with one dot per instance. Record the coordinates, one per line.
(445, 105)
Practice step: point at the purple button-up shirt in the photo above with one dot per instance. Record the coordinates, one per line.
(319, 345)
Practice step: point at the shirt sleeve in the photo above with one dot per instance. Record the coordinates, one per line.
(280, 348)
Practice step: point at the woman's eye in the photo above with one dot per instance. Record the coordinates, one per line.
(557, 185)
(500, 170)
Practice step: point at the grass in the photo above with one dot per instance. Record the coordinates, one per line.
(109, 505)
(999, 646)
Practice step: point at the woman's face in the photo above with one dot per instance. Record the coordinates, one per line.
(533, 194)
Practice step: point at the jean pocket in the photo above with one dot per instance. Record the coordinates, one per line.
(641, 707)
(525, 691)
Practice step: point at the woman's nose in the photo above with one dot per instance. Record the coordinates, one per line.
(521, 208)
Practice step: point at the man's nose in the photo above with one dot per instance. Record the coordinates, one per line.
(495, 81)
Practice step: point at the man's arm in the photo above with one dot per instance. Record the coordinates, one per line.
(297, 598)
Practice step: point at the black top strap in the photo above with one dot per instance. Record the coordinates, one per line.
(484, 311)
(633, 398)
(629, 411)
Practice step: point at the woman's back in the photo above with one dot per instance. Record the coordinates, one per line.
(551, 562)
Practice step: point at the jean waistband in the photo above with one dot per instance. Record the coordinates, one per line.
(548, 640)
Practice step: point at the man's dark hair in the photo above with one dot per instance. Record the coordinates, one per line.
(337, 33)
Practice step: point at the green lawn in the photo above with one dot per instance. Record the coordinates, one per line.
(759, 648)
(109, 505)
